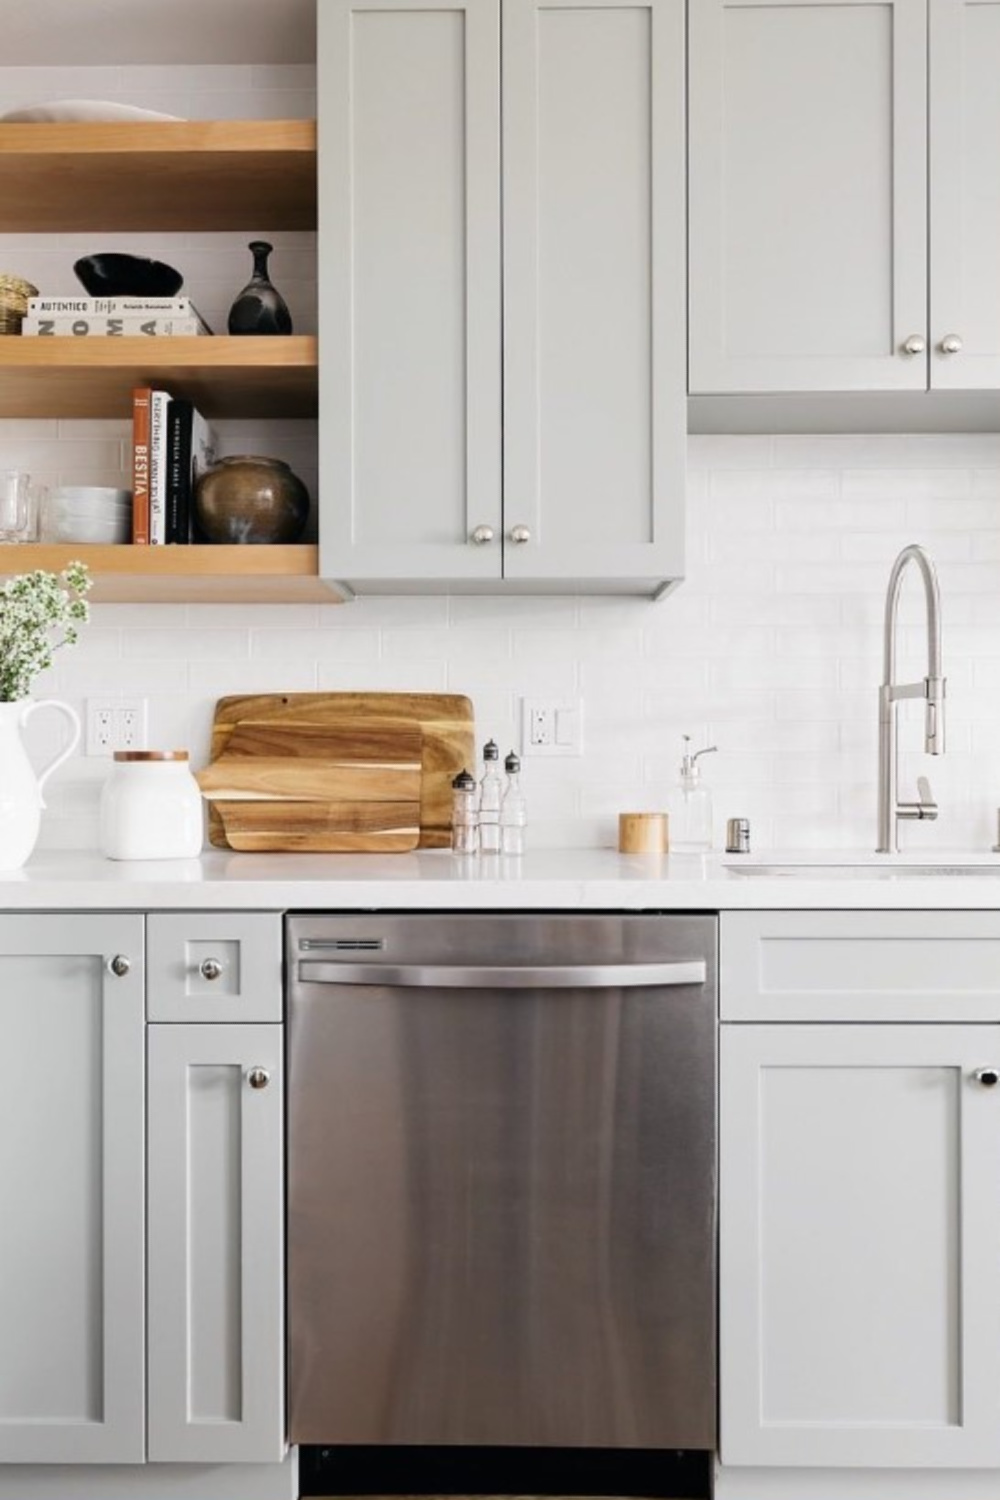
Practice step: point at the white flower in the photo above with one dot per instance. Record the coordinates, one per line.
(39, 613)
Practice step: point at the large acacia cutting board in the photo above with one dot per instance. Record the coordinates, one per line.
(283, 720)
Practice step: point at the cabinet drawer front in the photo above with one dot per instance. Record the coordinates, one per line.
(860, 966)
(219, 966)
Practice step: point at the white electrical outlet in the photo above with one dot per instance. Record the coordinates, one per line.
(551, 726)
(115, 724)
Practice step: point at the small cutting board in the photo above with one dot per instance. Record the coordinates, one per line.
(350, 731)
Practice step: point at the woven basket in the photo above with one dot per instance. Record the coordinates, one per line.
(14, 294)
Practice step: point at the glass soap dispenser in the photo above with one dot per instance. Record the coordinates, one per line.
(690, 827)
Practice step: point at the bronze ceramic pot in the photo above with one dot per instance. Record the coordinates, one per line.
(249, 499)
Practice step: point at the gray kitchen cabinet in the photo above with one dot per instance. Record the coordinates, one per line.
(964, 194)
(216, 1244)
(808, 195)
(72, 1309)
(568, 473)
(831, 142)
(859, 1219)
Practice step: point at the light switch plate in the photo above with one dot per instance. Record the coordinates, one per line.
(551, 726)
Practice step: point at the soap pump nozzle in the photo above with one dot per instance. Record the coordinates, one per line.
(690, 769)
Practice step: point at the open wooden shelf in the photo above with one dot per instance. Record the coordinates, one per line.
(192, 575)
(93, 377)
(158, 175)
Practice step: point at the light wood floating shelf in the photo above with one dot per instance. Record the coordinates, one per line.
(163, 175)
(191, 575)
(93, 377)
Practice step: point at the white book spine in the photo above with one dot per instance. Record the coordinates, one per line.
(56, 325)
(158, 404)
(178, 307)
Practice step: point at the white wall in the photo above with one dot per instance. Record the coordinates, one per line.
(771, 647)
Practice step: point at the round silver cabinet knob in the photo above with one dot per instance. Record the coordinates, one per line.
(119, 965)
(258, 1078)
(210, 968)
(520, 535)
(915, 344)
(951, 344)
(988, 1077)
(482, 536)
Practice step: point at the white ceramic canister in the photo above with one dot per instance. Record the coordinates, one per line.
(151, 807)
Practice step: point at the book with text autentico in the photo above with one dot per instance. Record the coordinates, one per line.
(141, 396)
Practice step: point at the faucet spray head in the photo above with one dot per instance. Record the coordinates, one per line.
(934, 689)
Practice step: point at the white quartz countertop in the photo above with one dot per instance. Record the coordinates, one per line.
(568, 879)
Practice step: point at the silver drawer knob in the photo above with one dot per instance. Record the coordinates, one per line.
(482, 535)
(951, 344)
(988, 1077)
(119, 965)
(520, 535)
(258, 1078)
(210, 968)
(915, 344)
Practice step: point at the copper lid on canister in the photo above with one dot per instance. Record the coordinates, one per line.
(151, 755)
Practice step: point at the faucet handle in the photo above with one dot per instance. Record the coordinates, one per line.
(925, 808)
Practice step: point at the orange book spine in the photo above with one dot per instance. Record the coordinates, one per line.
(141, 397)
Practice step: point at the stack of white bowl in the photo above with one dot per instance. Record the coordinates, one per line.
(86, 513)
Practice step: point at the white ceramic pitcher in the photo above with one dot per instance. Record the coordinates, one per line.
(21, 799)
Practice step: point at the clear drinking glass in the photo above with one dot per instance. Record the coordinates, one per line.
(18, 507)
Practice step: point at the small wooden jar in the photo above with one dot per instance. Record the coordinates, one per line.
(643, 833)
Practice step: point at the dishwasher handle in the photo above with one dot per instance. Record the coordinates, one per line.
(544, 977)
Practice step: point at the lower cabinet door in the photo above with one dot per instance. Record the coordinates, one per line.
(71, 1190)
(860, 1233)
(216, 1236)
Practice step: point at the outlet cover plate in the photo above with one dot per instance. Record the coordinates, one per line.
(551, 726)
(116, 724)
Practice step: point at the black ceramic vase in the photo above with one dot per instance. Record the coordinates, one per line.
(259, 308)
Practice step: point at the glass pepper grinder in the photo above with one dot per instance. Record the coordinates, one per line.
(464, 821)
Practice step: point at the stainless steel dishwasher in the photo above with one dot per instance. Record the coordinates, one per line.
(502, 1180)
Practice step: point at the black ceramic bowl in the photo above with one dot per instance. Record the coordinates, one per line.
(117, 275)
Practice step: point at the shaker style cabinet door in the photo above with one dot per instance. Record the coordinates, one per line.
(72, 1305)
(409, 284)
(594, 272)
(859, 1219)
(965, 194)
(216, 1245)
(808, 195)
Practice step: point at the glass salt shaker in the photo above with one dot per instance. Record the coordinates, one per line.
(464, 820)
(490, 797)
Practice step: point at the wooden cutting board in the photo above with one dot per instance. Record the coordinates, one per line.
(281, 721)
(318, 787)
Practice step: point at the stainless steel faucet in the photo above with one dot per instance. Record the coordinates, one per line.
(931, 689)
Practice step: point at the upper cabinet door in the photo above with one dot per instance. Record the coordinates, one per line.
(594, 325)
(409, 257)
(965, 194)
(72, 1165)
(808, 192)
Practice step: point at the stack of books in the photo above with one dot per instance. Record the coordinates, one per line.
(171, 445)
(112, 317)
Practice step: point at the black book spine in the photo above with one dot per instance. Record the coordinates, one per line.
(179, 472)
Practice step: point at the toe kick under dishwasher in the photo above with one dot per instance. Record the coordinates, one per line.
(502, 1180)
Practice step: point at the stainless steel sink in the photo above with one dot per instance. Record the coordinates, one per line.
(871, 867)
